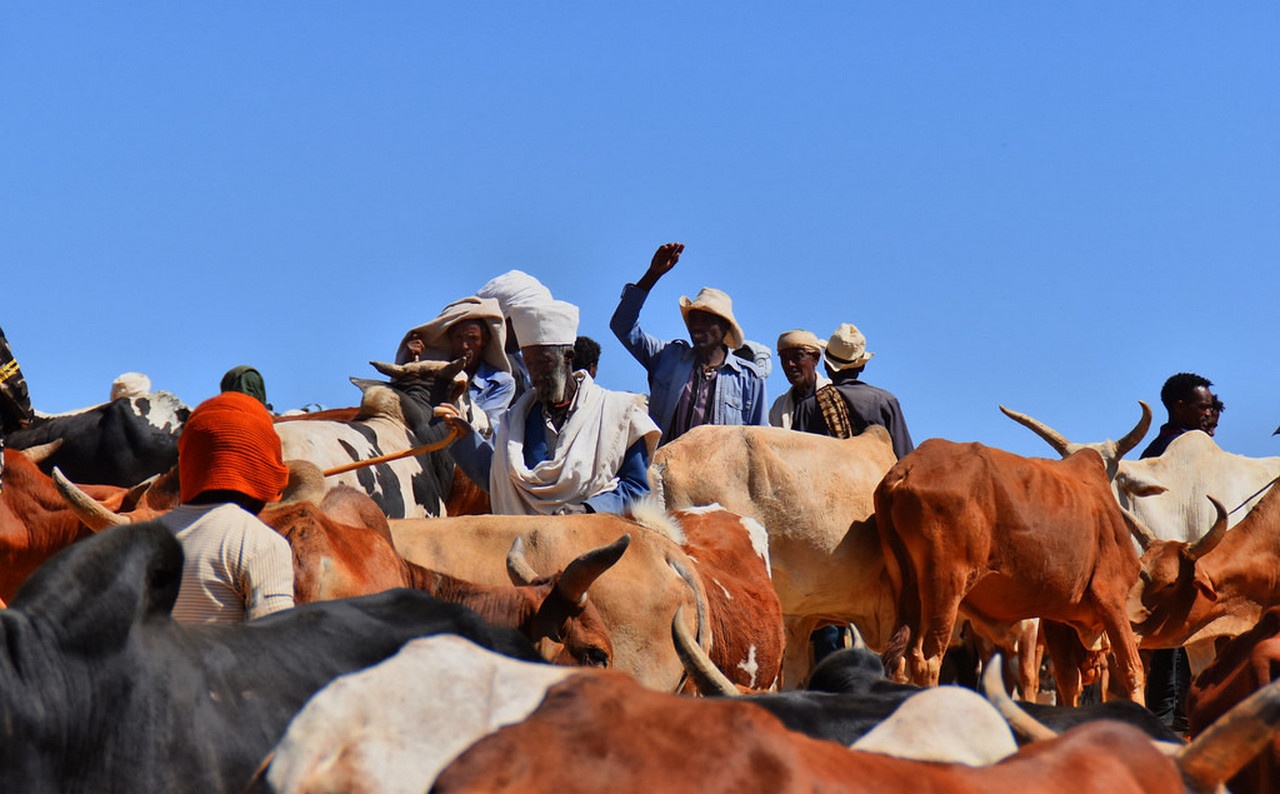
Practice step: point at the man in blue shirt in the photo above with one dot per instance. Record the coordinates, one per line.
(567, 445)
(692, 383)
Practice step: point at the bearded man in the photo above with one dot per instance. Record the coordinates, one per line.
(567, 445)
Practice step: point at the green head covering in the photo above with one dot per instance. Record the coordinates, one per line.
(246, 380)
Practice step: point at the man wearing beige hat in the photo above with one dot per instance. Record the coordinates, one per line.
(472, 329)
(846, 406)
(698, 383)
(799, 353)
(566, 445)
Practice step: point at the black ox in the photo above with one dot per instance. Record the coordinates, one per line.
(100, 690)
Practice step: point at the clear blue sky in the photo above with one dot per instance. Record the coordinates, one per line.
(1050, 206)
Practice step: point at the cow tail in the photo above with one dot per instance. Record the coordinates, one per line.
(901, 575)
(896, 648)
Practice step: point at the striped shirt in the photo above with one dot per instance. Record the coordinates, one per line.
(236, 568)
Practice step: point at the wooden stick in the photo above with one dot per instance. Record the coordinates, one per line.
(456, 431)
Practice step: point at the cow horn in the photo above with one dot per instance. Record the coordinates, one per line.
(1053, 437)
(518, 568)
(392, 371)
(580, 574)
(1135, 435)
(706, 676)
(1140, 531)
(1021, 722)
(42, 452)
(93, 514)
(1220, 751)
(1213, 537)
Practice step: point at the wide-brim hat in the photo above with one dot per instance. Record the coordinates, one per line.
(713, 301)
(806, 340)
(435, 334)
(847, 348)
(548, 323)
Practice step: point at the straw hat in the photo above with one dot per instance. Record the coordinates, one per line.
(715, 302)
(807, 340)
(846, 348)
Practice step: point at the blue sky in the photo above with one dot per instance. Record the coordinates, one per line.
(1049, 206)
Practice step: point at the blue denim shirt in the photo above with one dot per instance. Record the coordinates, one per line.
(740, 392)
(492, 391)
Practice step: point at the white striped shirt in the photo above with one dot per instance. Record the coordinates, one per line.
(236, 568)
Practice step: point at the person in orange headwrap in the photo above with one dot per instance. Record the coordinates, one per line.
(236, 568)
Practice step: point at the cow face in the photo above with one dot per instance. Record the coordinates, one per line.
(1173, 593)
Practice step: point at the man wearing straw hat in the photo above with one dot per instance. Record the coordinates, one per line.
(799, 352)
(474, 330)
(846, 406)
(698, 383)
(566, 445)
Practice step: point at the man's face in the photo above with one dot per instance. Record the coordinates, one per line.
(706, 330)
(1195, 412)
(467, 339)
(549, 369)
(800, 365)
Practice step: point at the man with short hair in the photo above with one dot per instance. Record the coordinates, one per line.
(847, 405)
(586, 355)
(1190, 406)
(567, 445)
(472, 329)
(235, 568)
(799, 353)
(700, 382)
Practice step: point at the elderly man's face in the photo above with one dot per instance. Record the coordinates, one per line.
(706, 330)
(549, 369)
(800, 365)
(467, 340)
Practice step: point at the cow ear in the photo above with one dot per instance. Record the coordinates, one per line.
(95, 591)
(1138, 485)
(1205, 585)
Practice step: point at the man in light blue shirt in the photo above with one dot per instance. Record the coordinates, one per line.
(692, 383)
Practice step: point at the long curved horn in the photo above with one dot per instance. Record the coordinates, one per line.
(1218, 753)
(518, 568)
(93, 514)
(1055, 439)
(583, 571)
(42, 452)
(1140, 531)
(706, 676)
(1213, 537)
(1135, 435)
(1021, 722)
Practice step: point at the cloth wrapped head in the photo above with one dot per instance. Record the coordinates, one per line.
(229, 444)
(548, 323)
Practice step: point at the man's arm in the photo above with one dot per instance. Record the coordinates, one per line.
(267, 578)
(474, 456)
(625, 322)
(633, 482)
(757, 413)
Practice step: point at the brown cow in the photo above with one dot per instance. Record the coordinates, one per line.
(603, 732)
(1008, 538)
(1245, 665)
(35, 521)
(1217, 586)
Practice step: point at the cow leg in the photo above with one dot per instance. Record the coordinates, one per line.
(1124, 647)
(940, 606)
(1066, 654)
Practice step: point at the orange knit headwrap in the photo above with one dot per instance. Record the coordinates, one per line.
(229, 444)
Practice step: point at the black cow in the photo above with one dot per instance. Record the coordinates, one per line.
(100, 690)
(848, 695)
(122, 442)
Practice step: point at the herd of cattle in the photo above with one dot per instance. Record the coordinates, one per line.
(438, 647)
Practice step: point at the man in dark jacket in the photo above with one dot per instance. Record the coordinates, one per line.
(15, 403)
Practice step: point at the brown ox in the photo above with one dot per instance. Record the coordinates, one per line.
(342, 547)
(1245, 664)
(1217, 586)
(35, 522)
(637, 600)
(813, 495)
(1008, 538)
(602, 732)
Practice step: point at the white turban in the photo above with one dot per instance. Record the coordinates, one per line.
(515, 288)
(130, 384)
(549, 323)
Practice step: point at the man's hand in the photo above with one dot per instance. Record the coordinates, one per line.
(664, 259)
(570, 510)
(415, 347)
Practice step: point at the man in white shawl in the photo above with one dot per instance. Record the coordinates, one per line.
(567, 445)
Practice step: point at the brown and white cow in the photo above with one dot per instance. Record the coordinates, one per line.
(813, 496)
(1006, 538)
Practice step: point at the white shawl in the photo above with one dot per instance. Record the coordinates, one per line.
(601, 427)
